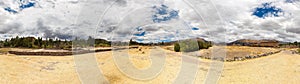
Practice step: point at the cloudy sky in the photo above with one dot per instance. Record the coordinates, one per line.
(152, 20)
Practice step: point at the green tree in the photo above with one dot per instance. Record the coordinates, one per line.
(51, 43)
(40, 40)
(91, 41)
(204, 45)
(6, 43)
(17, 42)
(45, 43)
(1, 44)
(176, 47)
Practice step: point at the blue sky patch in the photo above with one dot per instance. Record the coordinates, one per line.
(141, 34)
(24, 4)
(28, 5)
(163, 13)
(194, 28)
(291, 1)
(139, 40)
(267, 10)
(165, 40)
(8, 9)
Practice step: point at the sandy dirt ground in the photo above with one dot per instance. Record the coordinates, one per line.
(283, 67)
(37, 70)
(235, 51)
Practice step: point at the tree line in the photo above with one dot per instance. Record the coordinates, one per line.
(91, 42)
(49, 43)
(290, 45)
(31, 42)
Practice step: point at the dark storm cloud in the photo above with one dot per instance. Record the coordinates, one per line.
(74, 2)
(10, 28)
(121, 2)
(1, 3)
(107, 26)
(117, 2)
(270, 25)
(293, 30)
(123, 32)
(257, 34)
(218, 31)
(110, 29)
(151, 28)
(285, 35)
(48, 33)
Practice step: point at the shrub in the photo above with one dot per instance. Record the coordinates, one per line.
(188, 46)
(176, 47)
(204, 45)
(298, 51)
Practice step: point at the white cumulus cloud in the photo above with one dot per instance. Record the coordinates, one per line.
(216, 20)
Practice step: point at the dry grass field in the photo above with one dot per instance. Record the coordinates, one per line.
(237, 53)
(242, 52)
(283, 67)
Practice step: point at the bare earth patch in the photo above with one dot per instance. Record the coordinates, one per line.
(283, 67)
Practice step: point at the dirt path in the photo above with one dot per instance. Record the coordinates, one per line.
(281, 68)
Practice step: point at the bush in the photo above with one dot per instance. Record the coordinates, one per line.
(188, 46)
(176, 47)
(102, 45)
(298, 51)
(204, 45)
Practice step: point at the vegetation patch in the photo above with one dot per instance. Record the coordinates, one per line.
(48, 43)
(188, 46)
(176, 47)
(290, 45)
(4, 50)
(191, 45)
